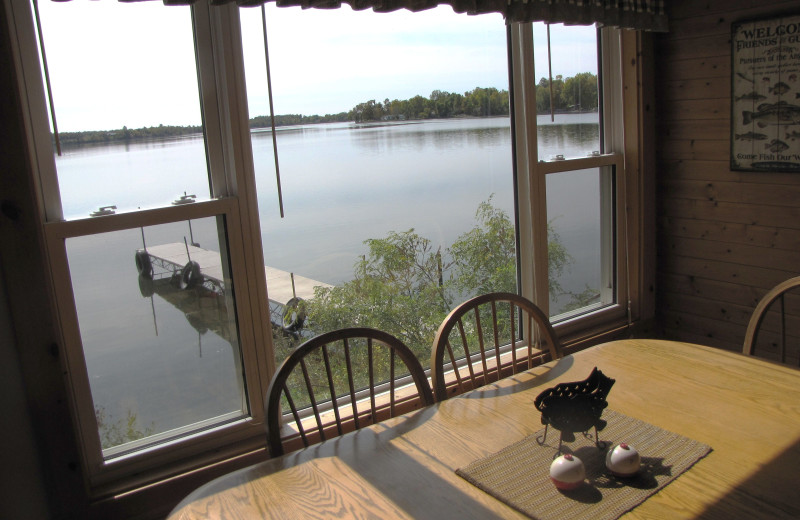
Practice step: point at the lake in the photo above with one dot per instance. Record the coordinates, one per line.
(147, 355)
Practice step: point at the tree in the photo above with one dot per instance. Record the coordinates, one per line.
(580, 92)
(484, 258)
(543, 95)
(405, 287)
(115, 431)
(396, 288)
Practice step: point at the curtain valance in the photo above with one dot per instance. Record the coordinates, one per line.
(648, 15)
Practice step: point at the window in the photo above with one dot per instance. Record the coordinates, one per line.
(570, 169)
(144, 234)
(424, 166)
(569, 117)
(395, 156)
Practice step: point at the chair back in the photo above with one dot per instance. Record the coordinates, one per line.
(774, 329)
(482, 332)
(341, 381)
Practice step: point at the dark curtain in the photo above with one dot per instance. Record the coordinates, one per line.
(648, 15)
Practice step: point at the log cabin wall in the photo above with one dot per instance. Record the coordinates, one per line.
(724, 237)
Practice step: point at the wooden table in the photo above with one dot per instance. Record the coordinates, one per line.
(746, 409)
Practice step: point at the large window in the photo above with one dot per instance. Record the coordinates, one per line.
(145, 235)
(580, 235)
(395, 156)
(416, 170)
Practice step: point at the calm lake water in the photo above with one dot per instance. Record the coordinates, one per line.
(342, 184)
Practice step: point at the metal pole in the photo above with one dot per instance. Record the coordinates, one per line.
(271, 110)
(47, 78)
(550, 76)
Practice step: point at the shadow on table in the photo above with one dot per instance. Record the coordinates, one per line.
(771, 492)
(394, 472)
(523, 381)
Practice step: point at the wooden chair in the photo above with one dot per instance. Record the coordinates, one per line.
(478, 330)
(771, 325)
(341, 381)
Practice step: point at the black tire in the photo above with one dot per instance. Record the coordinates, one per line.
(146, 286)
(143, 264)
(190, 275)
(294, 315)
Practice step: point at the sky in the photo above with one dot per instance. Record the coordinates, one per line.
(118, 64)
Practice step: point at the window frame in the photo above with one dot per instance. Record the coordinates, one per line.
(220, 65)
(532, 180)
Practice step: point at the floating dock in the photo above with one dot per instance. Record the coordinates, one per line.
(193, 266)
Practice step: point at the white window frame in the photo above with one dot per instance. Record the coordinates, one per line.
(222, 85)
(532, 185)
(218, 48)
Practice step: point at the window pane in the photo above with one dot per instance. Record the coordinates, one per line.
(567, 90)
(127, 104)
(579, 239)
(160, 341)
(399, 204)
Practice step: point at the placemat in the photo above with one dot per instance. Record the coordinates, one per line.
(519, 475)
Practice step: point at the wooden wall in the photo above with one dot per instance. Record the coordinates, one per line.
(723, 238)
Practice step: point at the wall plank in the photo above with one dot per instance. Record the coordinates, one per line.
(691, 149)
(747, 275)
(697, 68)
(738, 192)
(714, 170)
(762, 236)
(698, 47)
(697, 88)
(698, 109)
(777, 216)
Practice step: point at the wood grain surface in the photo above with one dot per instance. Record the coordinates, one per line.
(746, 409)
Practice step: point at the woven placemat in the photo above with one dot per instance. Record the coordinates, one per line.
(519, 475)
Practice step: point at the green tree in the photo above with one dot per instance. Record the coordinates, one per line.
(114, 432)
(405, 287)
(543, 95)
(396, 288)
(484, 258)
(580, 92)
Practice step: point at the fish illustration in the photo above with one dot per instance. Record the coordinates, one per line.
(744, 77)
(792, 77)
(755, 96)
(780, 113)
(776, 146)
(780, 88)
(794, 135)
(752, 136)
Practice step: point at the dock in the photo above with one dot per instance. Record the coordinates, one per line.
(172, 259)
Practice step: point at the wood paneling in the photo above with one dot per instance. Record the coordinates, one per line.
(724, 238)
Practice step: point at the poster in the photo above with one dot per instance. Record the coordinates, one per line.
(765, 97)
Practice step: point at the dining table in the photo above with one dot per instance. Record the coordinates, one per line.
(744, 410)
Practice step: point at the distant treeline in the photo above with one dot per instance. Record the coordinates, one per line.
(127, 134)
(575, 94)
(298, 119)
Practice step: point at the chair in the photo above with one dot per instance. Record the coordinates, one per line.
(771, 325)
(335, 383)
(478, 330)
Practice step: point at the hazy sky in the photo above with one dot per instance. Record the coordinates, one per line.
(117, 64)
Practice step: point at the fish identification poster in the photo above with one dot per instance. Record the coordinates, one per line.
(765, 97)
